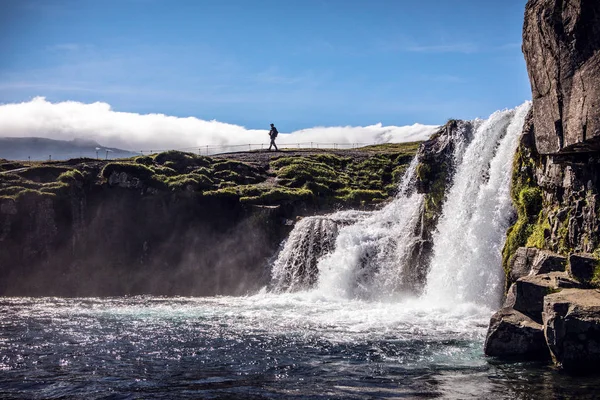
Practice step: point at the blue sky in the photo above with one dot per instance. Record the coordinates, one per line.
(298, 63)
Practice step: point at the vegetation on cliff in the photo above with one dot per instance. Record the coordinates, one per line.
(342, 177)
(529, 227)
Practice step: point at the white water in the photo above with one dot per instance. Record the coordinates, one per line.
(312, 237)
(466, 265)
(370, 256)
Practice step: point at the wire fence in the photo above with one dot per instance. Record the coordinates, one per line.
(206, 150)
(229, 148)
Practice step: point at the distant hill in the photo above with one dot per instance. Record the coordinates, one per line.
(40, 149)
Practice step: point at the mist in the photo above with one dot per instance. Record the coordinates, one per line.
(97, 121)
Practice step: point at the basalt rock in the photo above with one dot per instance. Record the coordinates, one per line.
(514, 335)
(561, 44)
(583, 266)
(527, 293)
(533, 261)
(572, 329)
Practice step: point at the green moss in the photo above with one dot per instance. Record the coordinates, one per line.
(563, 235)
(331, 159)
(43, 173)
(530, 200)
(27, 194)
(537, 238)
(424, 172)
(295, 172)
(71, 176)
(145, 160)
(57, 188)
(193, 182)
(224, 193)
(409, 147)
(162, 170)
(137, 170)
(277, 195)
(527, 198)
(181, 161)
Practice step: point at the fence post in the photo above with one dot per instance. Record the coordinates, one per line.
(206, 149)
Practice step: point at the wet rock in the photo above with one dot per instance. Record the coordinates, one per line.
(572, 329)
(561, 40)
(522, 262)
(527, 294)
(582, 266)
(513, 334)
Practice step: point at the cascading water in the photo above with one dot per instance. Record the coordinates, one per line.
(466, 264)
(371, 257)
(312, 237)
(368, 255)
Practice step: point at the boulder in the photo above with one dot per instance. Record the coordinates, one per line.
(572, 329)
(583, 266)
(546, 261)
(521, 262)
(561, 43)
(513, 334)
(532, 261)
(527, 293)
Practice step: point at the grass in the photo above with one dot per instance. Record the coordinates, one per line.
(322, 179)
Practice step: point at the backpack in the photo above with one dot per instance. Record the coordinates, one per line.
(274, 132)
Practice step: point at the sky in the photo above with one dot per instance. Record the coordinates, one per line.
(301, 64)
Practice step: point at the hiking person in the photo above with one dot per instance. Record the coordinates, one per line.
(273, 134)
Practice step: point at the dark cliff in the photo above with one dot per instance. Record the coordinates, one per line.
(561, 44)
(552, 252)
(173, 223)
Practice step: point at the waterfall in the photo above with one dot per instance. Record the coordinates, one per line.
(370, 255)
(312, 237)
(466, 263)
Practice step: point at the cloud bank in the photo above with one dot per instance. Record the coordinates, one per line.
(97, 121)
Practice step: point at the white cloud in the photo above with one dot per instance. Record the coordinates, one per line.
(97, 121)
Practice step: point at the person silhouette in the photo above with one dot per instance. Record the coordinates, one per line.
(273, 134)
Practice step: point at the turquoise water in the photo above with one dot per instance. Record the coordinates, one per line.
(265, 346)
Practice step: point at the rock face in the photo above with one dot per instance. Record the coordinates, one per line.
(527, 294)
(572, 329)
(583, 266)
(561, 44)
(513, 334)
(555, 189)
(532, 261)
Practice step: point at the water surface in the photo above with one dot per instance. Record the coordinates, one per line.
(264, 346)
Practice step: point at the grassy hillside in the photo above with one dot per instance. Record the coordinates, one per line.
(344, 177)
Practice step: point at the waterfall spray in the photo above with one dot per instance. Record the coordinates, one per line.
(466, 265)
(370, 255)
